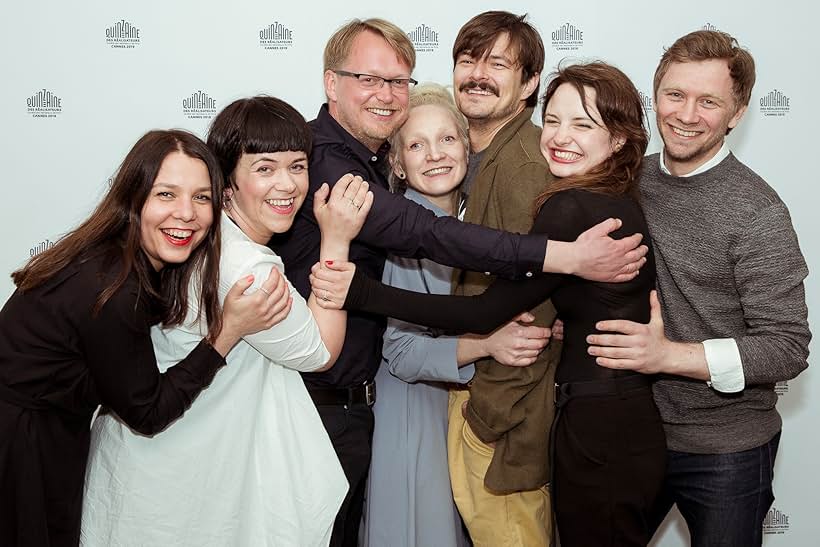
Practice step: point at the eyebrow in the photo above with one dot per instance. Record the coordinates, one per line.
(274, 160)
(173, 186)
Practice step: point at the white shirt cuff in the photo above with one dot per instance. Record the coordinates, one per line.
(725, 366)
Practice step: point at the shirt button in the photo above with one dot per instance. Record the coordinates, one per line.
(528, 274)
(486, 273)
(374, 159)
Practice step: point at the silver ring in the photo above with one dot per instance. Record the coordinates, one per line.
(353, 203)
(264, 290)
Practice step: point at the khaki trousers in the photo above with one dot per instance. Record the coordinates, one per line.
(520, 519)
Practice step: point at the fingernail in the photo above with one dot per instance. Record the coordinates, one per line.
(329, 262)
(249, 278)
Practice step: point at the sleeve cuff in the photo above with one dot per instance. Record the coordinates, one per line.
(531, 253)
(724, 364)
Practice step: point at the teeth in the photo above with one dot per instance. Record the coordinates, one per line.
(280, 202)
(565, 155)
(683, 133)
(437, 171)
(178, 234)
(381, 111)
(476, 91)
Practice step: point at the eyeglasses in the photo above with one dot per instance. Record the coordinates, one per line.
(369, 81)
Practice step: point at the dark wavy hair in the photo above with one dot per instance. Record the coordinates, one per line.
(114, 229)
(619, 104)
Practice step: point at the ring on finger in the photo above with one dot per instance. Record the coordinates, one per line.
(326, 296)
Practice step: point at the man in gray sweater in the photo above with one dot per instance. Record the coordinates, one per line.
(730, 277)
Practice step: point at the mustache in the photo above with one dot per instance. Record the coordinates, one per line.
(483, 86)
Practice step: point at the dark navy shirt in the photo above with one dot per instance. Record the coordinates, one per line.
(394, 225)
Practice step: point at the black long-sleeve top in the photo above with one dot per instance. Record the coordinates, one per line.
(580, 303)
(58, 362)
(394, 225)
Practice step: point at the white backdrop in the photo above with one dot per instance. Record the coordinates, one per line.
(81, 81)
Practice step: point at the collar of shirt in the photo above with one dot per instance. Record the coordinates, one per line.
(716, 159)
(326, 130)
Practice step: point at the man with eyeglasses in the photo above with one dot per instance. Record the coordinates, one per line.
(368, 67)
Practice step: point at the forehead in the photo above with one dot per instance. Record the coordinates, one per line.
(709, 77)
(428, 118)
(371, 54)
(567, 99)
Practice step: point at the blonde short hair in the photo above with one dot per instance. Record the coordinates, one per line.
(339, 45)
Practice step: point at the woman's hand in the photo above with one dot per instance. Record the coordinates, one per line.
(330, 282)
(244, 314)
(342, 214)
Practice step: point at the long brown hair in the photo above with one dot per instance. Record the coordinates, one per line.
(114, 229)
(619, 104)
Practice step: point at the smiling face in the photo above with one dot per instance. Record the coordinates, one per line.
(178, 212)
(370, 115)
(267, 191)
(694, 107)
(490, 89)
(433, 156)
(574, 141)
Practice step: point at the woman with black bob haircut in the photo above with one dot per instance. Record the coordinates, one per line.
(250, 463)
(76, 332)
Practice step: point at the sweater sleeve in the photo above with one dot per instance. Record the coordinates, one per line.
(769, 271)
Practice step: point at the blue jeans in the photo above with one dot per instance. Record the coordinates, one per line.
(722, 497)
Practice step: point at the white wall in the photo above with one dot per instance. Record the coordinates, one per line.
(56, 168)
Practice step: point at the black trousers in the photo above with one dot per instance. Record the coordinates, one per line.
(350, 428)
(610, 461)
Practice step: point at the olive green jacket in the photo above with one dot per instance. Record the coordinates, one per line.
(511, 406)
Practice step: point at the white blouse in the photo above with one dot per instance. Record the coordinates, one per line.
(250, 462)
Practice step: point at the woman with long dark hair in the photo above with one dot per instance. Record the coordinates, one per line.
(75, 333)
(608, 440)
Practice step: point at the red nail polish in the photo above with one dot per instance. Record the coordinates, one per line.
(329, 262)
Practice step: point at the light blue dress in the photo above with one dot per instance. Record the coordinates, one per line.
(409, 501)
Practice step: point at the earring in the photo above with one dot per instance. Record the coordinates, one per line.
(401, 175)
(226, 202)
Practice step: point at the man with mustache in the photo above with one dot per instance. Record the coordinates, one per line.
(498, 459)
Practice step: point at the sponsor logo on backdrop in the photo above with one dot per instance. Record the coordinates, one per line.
(122, 35)
(199, 106)
(275, 36)
(424, 39)
(781, 388)
(776, 522)
(44, 104)
(40, 247)
(567, 38)
(646, 101)
(774, 103)
(710, 26)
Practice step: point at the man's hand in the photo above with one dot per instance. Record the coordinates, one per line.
(645, 348)
(598, 257)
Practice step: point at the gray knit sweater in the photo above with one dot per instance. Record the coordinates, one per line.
(728, 266)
